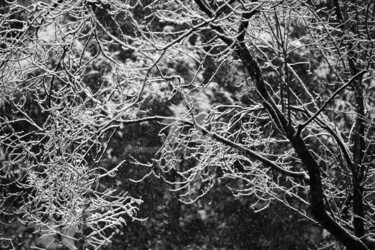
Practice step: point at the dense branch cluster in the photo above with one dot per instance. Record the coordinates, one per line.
(54, 127)
(291, 121)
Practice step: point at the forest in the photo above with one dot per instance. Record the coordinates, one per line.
(187, 124)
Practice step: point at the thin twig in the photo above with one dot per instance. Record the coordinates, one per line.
(302, 126)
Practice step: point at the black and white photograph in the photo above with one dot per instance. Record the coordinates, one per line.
(187, 124)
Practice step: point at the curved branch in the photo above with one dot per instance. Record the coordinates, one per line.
(272, 165)
(219, 138)
(302, 126)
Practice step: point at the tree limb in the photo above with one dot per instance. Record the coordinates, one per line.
(219, 138)
(302, 126)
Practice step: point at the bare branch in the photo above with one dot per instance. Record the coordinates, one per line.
(302, 126)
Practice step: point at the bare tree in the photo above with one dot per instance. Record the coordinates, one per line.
(299, 130)
(55, 128)
(296, 125)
